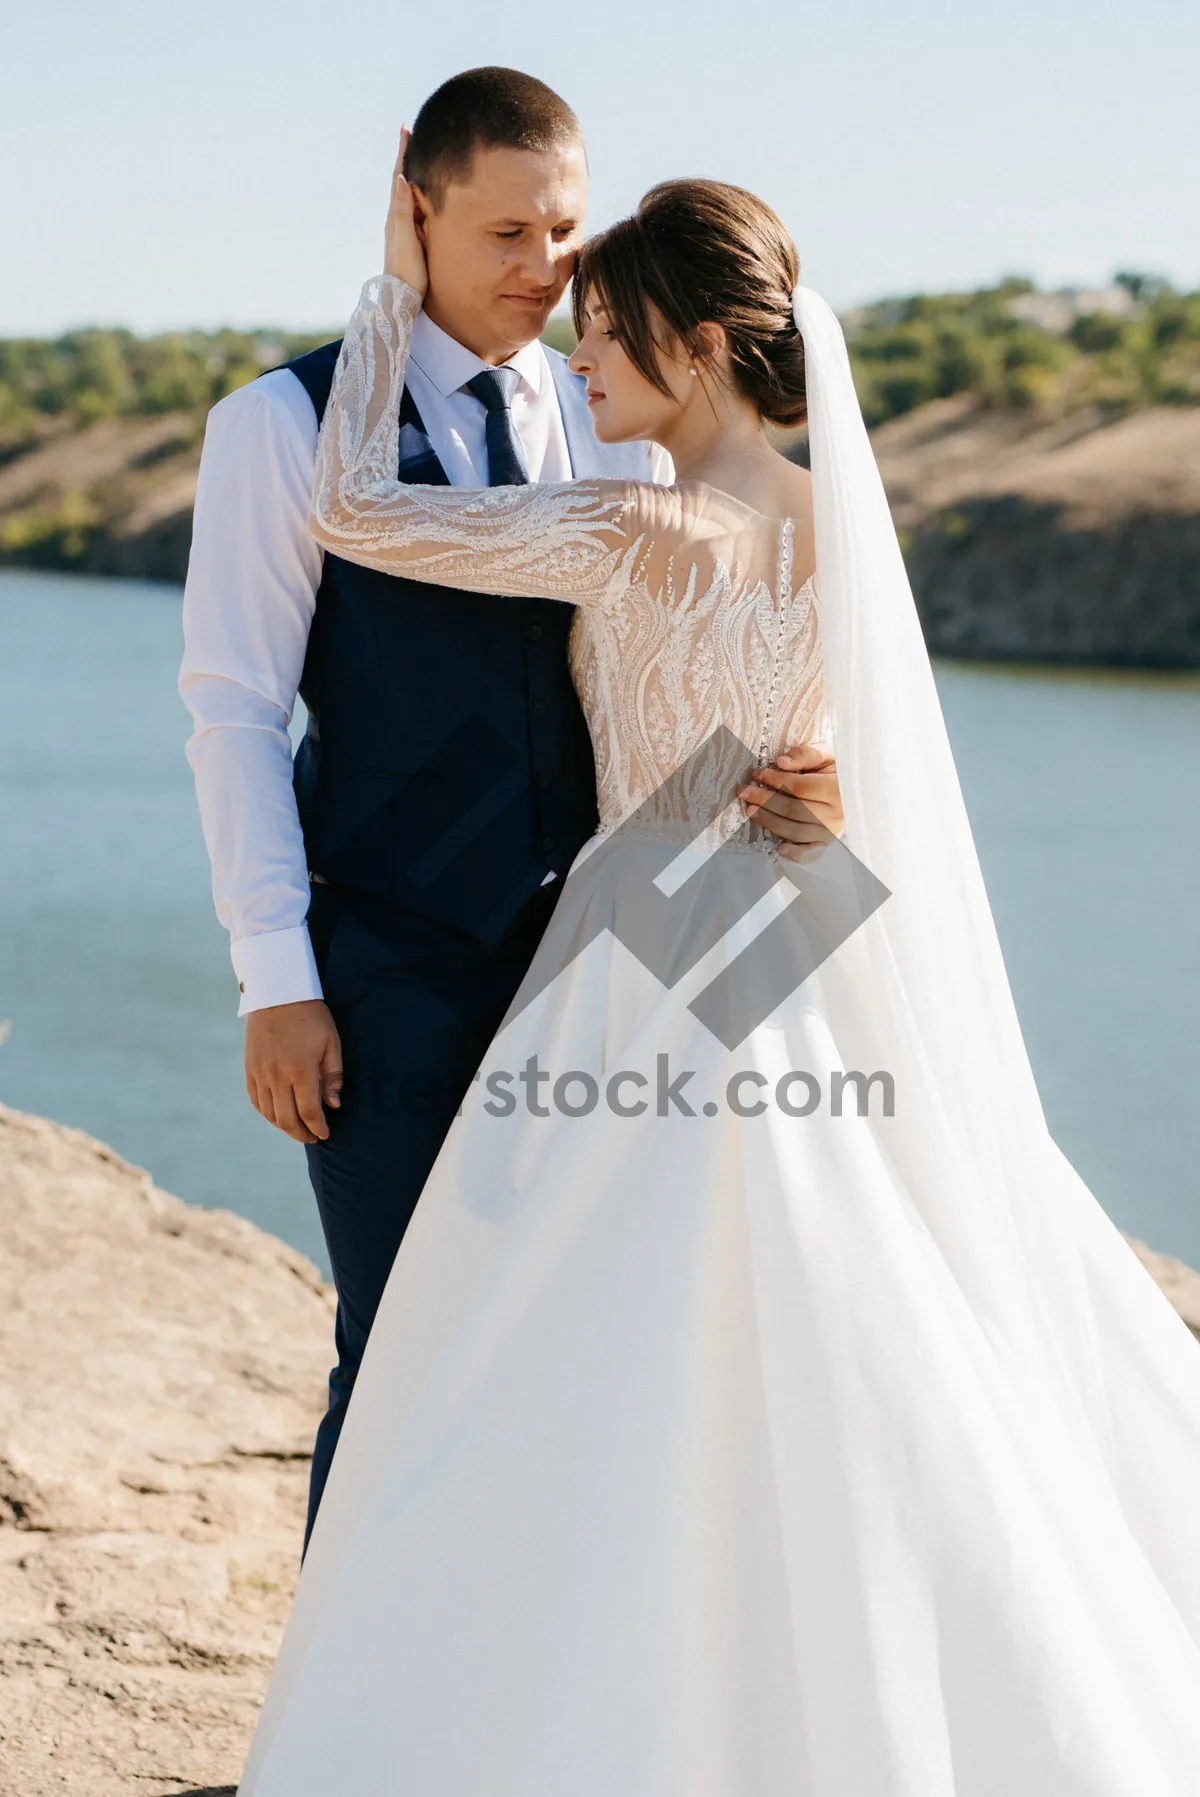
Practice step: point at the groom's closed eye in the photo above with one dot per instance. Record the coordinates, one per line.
(560, 233)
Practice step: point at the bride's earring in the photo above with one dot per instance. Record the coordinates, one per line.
(692, 371)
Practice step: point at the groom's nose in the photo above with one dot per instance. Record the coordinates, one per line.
(543, 264)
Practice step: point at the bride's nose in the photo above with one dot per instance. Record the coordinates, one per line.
(581, 359)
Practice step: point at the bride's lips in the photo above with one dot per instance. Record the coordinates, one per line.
(593, 395)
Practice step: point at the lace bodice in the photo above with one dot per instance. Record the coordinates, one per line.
(686, 618)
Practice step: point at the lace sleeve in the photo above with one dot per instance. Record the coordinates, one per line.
(554, 540)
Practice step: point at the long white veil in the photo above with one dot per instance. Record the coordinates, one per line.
(921, 991)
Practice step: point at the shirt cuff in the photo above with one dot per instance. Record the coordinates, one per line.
(276, 967)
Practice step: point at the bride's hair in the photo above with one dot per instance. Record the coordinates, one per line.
(695, 253)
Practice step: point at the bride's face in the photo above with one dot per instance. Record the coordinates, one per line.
(625, 406)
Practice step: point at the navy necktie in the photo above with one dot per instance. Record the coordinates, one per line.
(506, 461)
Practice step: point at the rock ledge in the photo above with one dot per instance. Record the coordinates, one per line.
(165, 1370)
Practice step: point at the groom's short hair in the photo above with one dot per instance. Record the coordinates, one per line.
(483, 109)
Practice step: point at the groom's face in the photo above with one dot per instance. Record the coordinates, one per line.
(501, 247)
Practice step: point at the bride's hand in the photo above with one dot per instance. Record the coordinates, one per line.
(403, 251)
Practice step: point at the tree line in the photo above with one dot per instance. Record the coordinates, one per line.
(86, 375)
(909, 351)
(905, 352)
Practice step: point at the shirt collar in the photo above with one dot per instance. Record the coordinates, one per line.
(449, 365)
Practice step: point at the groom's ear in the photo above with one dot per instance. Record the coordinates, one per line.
(421, 209)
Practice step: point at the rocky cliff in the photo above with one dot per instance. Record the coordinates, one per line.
(1072, 539)
(114, 497)
(164, 1369)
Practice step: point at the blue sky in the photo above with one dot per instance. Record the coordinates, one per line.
(171, 163)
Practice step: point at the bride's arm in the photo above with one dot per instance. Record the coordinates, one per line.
(561, 540)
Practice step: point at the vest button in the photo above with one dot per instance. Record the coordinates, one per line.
(535, 633)
(547, 843)
(538, 708)
(541, 781)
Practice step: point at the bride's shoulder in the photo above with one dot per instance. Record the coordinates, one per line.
(711, 523)
(695, 510)
(798, 483)
(786, 493)
(786, 490)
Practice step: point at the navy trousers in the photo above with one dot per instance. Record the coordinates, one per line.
(416, 1004)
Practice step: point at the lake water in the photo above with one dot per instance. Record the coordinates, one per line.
(1084, 793)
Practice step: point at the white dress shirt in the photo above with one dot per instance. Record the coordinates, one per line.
(247, 610)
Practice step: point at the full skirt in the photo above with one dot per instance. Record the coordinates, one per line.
(684, 1462)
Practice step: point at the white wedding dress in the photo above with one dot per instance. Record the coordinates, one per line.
(724, 1455)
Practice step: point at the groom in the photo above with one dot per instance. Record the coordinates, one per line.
(385, 896)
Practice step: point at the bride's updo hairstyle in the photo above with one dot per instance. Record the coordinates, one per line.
(695, 253)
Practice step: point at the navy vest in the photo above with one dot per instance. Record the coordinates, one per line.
(447, 768)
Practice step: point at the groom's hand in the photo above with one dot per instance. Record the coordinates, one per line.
(294, 1067)
(798, 800)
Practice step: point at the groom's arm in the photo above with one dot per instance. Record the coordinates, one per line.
(248, 608)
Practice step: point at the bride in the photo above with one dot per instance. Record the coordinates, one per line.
(760, 1405)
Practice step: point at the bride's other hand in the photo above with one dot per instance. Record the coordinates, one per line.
(798, 800)
(403, 251)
